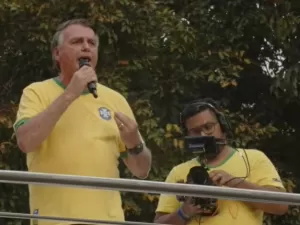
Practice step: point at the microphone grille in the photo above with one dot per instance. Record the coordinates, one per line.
(83, 62)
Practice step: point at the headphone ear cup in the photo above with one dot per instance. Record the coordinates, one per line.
(225, 125)
(223, 122)
(181, 124)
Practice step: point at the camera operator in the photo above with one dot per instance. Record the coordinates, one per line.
(250, 169)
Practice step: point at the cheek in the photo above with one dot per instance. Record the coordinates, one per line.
(219, 133)
(94, 58)
(191, 133)
(69, 55)
(63, 53)
(95, 54)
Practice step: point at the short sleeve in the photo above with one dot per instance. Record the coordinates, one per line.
(168, 203)
(30, 105)
(264, 172)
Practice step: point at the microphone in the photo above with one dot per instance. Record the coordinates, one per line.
(92, 86)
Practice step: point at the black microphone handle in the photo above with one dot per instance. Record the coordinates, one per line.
(92, 86)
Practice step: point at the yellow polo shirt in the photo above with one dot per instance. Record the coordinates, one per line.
(86, 142)
(262, 172)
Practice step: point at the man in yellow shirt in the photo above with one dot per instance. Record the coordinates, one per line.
(247, 169)
(64, 129)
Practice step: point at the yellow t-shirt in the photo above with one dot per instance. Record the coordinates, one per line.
(262, 172)
(86, 142)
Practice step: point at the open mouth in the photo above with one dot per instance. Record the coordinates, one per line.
(84, 61)
(85, 58)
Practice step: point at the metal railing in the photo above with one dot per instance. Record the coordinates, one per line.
(71, 220)
(140, 186)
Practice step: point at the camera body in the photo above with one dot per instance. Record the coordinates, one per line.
(199, 175)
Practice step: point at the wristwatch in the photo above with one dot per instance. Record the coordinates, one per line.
(136, 150)
(182, 215)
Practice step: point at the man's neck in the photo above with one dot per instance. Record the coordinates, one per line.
(65, 80)
(224, 153)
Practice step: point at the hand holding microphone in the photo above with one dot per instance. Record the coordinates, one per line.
(92, 86)
(82, 78)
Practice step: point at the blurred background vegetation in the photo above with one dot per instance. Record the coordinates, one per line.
(161, 54)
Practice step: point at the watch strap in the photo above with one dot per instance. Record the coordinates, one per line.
(136, 150)
(182, 215)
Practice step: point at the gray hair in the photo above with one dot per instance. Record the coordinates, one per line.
(57, 38)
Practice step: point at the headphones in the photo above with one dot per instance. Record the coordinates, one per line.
(195, 107)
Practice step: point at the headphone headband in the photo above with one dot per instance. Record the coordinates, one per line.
(199, 104)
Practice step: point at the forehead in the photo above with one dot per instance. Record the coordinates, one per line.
(78, 31)
(201, 118)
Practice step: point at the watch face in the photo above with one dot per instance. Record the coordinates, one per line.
(138, 149)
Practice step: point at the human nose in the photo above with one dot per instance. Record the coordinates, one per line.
(85, 46)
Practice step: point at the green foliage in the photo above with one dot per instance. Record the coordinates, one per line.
(161, 54)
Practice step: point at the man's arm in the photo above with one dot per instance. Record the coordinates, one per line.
(277, 209)
(140, 164)
(172, 218)
(185, 213)
(167, 211)
(263, 176)
(41, 120)
(31, 134)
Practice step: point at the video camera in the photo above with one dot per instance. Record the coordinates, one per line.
(199, 175)
(205, 148)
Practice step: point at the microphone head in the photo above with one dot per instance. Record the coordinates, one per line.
(83, 62)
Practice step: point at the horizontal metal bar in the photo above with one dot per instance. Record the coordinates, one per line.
(71, 220)
(142, 186)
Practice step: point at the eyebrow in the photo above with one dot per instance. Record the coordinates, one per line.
(215, 122)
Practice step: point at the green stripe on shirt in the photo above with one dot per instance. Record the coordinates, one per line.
(20, 123)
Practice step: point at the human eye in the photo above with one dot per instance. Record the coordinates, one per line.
(208, 127)
(92, 42)
(76, 41)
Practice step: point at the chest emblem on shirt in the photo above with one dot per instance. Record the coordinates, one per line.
(104, 113)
